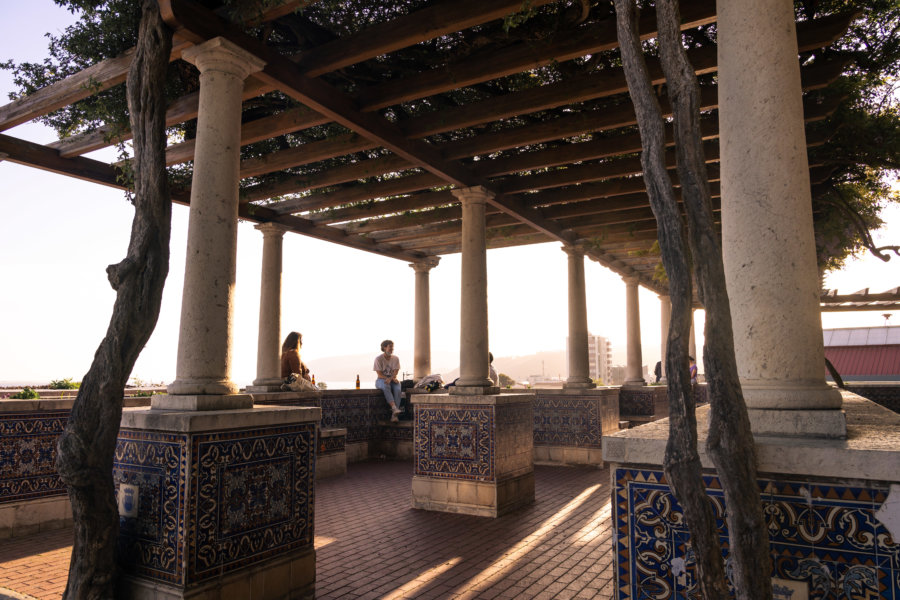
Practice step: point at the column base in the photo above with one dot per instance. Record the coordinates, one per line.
(213, 387)
(262, 388)
(291, 579)
(784, 395)
(201, 402)
(473, 453)
(798, 423)
(579, 384)
(477, 498)
(473, 390)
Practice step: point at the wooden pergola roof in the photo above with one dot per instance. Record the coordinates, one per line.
(832, 301)
(560, 152)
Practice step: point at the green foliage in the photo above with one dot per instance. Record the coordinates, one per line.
(64, 384)
(26, 394)
(505, 380)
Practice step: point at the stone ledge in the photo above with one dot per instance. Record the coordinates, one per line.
(871, 450)
(38, 405)
(186, 422)
(491, 399)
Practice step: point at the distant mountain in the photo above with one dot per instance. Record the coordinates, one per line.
(551, 363)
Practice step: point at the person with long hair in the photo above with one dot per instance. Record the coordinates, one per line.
(292, 368)
(386, 367)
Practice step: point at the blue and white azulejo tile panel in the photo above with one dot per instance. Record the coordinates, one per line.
(567, 421)
(456, 442)
(151, 544)
(820, 532)
(28, 455)
(251, 497)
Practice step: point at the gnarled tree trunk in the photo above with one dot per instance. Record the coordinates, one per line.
(682, 462)
(87, 445)
(730, 442)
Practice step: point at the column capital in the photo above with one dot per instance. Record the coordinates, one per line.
(220, 54)
(631, 280)
(268, 229)
(426, 264)
(573, 250)
(475, 193)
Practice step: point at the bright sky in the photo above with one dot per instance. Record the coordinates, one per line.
(58, 234)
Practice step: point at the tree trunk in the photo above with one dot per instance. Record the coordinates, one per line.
(682, 462)
(88, 443)
(729, 442)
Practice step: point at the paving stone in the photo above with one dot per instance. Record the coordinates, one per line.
(371, 544)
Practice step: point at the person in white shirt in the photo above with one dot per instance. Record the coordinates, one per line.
(386, 368)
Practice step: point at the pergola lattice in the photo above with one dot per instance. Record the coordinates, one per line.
(560, 156)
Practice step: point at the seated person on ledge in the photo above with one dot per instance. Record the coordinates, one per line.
(294, 373)
(386, 368)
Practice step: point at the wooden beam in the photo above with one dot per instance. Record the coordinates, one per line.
(359, 193)
(368, 210)
(435, 20)
(35, 155)
(293, 119)
(181, 110)
(588, 39)
(87, 82)
(329, 147)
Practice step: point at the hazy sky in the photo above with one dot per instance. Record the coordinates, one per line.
(58, 234)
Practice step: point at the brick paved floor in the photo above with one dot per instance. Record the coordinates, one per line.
(370, 544)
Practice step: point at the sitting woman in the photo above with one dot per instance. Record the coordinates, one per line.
(294, 373)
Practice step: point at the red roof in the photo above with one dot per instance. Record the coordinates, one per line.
(865, 360)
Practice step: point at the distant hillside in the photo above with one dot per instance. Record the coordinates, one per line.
(551, 363)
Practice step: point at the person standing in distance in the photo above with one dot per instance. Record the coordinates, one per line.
(386, 368)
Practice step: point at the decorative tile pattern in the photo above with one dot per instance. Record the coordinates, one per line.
(251, 497)
(821, 532)
(28, 455)
(639, 401)
(333, 444)
(567, 421)
(152, 543)
(455, 442)
(393, 433)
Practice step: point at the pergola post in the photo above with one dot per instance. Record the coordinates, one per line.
(473, 337)
(204, 342)
(422, 342)
(474, 447)
(187, 438)
(268, 353)
(767, 226)
(665, 317)
(633, 374)
(579, 362)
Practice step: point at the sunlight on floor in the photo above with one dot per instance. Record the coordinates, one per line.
(322, 541)
(496, 570)
(425, 578)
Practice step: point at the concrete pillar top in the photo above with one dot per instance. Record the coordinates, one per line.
(426, 264)
(268, 229)
(631, 279)
(220, 54)
(475, 193)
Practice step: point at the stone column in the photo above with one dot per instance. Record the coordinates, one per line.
(473, 339)
(665, 316)
(579, 362)
(268, 353)
(767, 226)
(422, 347)
(633, 374)
(204, 342)
(692, 341)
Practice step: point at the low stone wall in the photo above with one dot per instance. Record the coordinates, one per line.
(885, 394)
(32, 495)
(569, 424)
(651, 402)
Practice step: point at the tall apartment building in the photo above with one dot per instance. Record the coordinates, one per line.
(599, 357)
